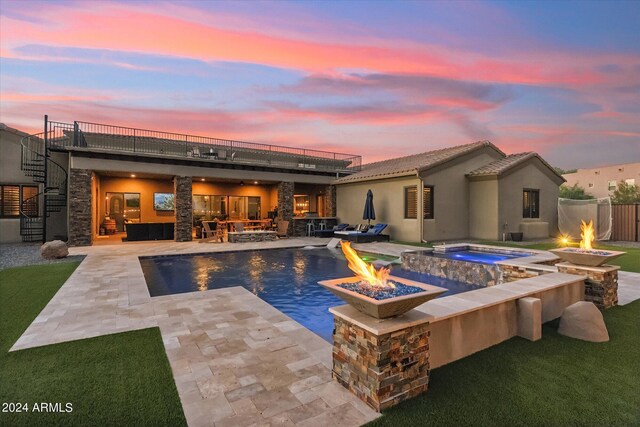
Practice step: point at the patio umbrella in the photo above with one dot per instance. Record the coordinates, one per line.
(369, 212)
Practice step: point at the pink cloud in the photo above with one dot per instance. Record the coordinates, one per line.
(131, 29)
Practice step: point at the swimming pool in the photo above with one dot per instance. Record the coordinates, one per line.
(285, 278)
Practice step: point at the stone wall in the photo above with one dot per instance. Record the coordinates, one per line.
(467, 272)
(80, 202)
(184, 208)
(601, 286)
(285, 203)
(382, 370)
(511, 273)
(330, 206)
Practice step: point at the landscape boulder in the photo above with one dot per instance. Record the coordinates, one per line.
(583, 321)
(54, 249)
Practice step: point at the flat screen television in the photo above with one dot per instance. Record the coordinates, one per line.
(164, 201)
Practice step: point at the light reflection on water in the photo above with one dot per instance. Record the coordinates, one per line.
(285, 278)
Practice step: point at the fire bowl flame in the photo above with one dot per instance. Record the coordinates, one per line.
(383, 303)
(587, 257)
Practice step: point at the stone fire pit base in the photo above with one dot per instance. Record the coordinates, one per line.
(601, 285)
(382, 361)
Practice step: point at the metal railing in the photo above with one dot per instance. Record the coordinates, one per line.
(95, 136)
(36, 164)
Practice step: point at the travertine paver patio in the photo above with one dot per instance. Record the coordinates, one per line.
(236, 360)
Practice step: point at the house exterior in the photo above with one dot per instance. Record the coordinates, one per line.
(602, 181)
(468, 191)
(89, 179)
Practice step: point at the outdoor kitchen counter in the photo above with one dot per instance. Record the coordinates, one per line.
(300, 223)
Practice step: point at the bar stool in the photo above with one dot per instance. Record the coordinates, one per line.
(311, 228)
(322, 225)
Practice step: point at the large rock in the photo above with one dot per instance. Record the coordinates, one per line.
(54, 249)
(583, 321)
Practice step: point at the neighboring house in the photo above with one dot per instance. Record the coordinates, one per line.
(16, 188)
(602, 181)
(467, 191)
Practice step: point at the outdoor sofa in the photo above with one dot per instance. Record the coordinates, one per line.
(371, 235)
(329, 233)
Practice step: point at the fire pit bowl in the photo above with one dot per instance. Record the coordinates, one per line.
(587, 257)
(388, 306)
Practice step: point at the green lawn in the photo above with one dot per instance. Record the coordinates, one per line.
(120, 379)
(557, 381)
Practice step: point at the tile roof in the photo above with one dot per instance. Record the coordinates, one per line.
(502, 165)
(498, 167)
(412, 164)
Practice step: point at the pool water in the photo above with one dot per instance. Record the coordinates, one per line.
(479, 256)
(285, 278)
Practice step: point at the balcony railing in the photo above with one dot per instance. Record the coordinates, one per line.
(109, 138)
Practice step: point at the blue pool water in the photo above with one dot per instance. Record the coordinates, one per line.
(479, 257)
(285, 278)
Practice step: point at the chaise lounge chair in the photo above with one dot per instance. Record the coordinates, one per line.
(371, 235)
(329, 233)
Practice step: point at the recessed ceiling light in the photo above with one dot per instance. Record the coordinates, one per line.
(202, 179)
(133, 175)
(255, 182)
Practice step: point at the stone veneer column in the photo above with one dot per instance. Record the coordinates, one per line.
(285, 202)
(184, 208)
(382, 362)
(80, 204)
(330, 201)
(601, 285)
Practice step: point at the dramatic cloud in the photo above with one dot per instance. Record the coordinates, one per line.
(341, 75)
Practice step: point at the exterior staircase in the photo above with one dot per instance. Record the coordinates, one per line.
(37, 164)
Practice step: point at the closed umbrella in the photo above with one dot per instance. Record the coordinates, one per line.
(369, 211)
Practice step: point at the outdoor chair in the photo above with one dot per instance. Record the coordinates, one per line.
(212, 232)
(238, 227)
(283, 228)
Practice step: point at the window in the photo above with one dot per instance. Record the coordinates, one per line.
(630, 181)
(427, 202)
(13, 196)
(612, 185)
(411, 202)
(531, 203)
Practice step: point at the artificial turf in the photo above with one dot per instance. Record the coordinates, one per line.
(120, 379)
(557, 381)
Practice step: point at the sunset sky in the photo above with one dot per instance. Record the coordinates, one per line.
(380, 79)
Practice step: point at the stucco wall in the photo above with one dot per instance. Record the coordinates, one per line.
(483, 209)
(531, 175)
(10, 173)
(388, 200)
(451, 195)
